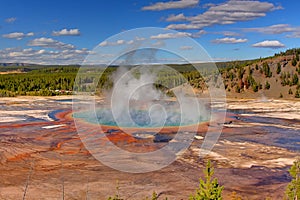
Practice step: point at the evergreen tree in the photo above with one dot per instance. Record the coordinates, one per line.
(293, 188)
(267, 70)
(294, 62)
(154, 196)
(280, 96)
(295, 79)
(209, 189)
(267, 86)
(297, 94)
(278, 71)
(117, 195)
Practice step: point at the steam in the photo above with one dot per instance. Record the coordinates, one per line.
(136, 102)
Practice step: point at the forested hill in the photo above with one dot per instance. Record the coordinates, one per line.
(275, 77)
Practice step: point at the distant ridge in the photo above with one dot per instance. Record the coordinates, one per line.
(17, 64)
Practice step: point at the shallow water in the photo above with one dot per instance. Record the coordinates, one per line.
(284, 133)
(54, 112)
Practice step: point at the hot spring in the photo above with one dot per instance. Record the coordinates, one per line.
(154, 116)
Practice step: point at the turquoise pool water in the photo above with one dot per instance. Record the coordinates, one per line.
(139, 118)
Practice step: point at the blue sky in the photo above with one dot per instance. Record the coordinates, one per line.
(64, 32)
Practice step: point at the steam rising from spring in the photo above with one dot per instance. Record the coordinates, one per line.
(135, 101)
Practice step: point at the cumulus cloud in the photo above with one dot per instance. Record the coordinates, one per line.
(274, 44)
(50, 43)
(66, 32)
(171, 35)
(122, 42)
(106, 43)
(199, 34)
(230, 12)
(18, 35)
(10, 20)
(185, 26)
(171, 5)
(42, 56)
(229, 40)
(176, 18)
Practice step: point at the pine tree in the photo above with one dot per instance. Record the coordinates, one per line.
(267, 70)
(278, 71)
(154, 196)
(297, 94)
(295, 79)
(293, 189)
(280, 96)
(117, 195)
(267, 86)
(294, 62)
(208, 189)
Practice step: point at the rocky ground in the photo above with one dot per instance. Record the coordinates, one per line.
(42, 157)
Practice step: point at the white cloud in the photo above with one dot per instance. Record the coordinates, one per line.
(10, 20)
(122, 42)
(66, 32)
(295, 34)
(171, 35)
(30, 34)
(186, 48)
(274, 29)
(119, 42)
(229, 40)
(130, 42)
(277, 29)
(50, 43)
(185, 26)
(171, 5)
(274, 44)
(230, 33)
(176, 18)
(106, 43)
(140, 38)
(17, 35)
(230, 12)
(199, 34)
(42, 56)
(158, 44)
(103, 44)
